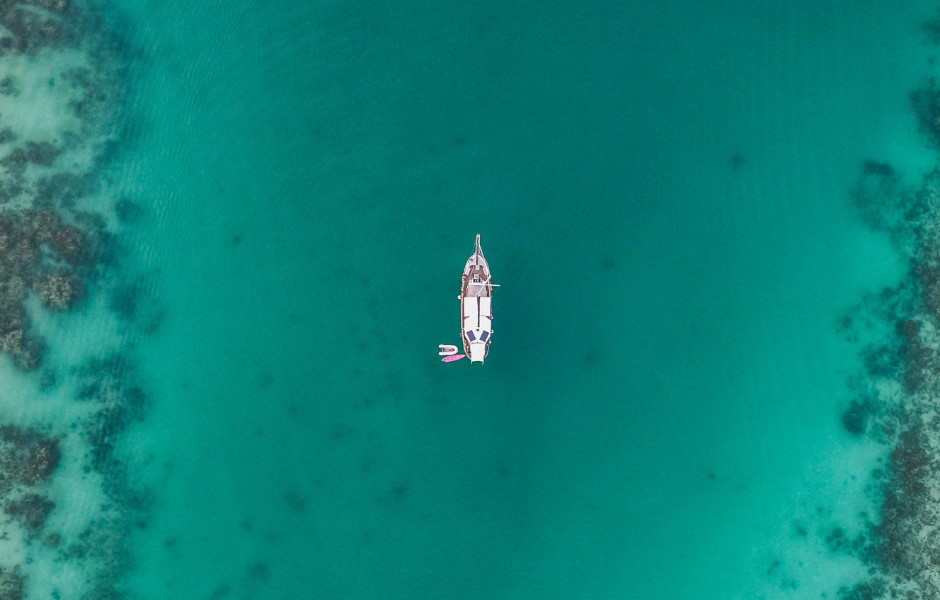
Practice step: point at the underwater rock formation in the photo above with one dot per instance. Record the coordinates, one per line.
(132, 303)
(926, 103)
(127, 211)
(855, 418)
(30, 511)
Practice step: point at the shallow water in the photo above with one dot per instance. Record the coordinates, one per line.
(664, 196)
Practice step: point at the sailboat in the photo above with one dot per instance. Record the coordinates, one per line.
(476, 310)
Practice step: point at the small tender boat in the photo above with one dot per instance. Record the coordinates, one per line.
(446, 350)
(476, 311)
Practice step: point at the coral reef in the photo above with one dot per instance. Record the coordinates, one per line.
(111, 385)
(55, 251)
(898, 400)
(27, 460)
(39, 252)
(11, 584)
(27, 457)
(60, 292)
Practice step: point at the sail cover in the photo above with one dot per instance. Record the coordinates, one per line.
(477, 313)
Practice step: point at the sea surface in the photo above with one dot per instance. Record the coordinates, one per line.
(220, 376)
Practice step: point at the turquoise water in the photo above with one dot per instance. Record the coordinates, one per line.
(663, 194)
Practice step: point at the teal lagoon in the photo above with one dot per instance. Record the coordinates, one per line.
(664, 196)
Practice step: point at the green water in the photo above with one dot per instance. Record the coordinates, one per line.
(662, 194)
(664, 204)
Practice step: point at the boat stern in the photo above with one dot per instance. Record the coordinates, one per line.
(477, 352)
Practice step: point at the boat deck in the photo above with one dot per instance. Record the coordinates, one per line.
(476, 315)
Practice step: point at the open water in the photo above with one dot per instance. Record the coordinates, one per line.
(263, 212)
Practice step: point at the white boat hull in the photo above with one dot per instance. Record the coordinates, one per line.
(476, 309)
